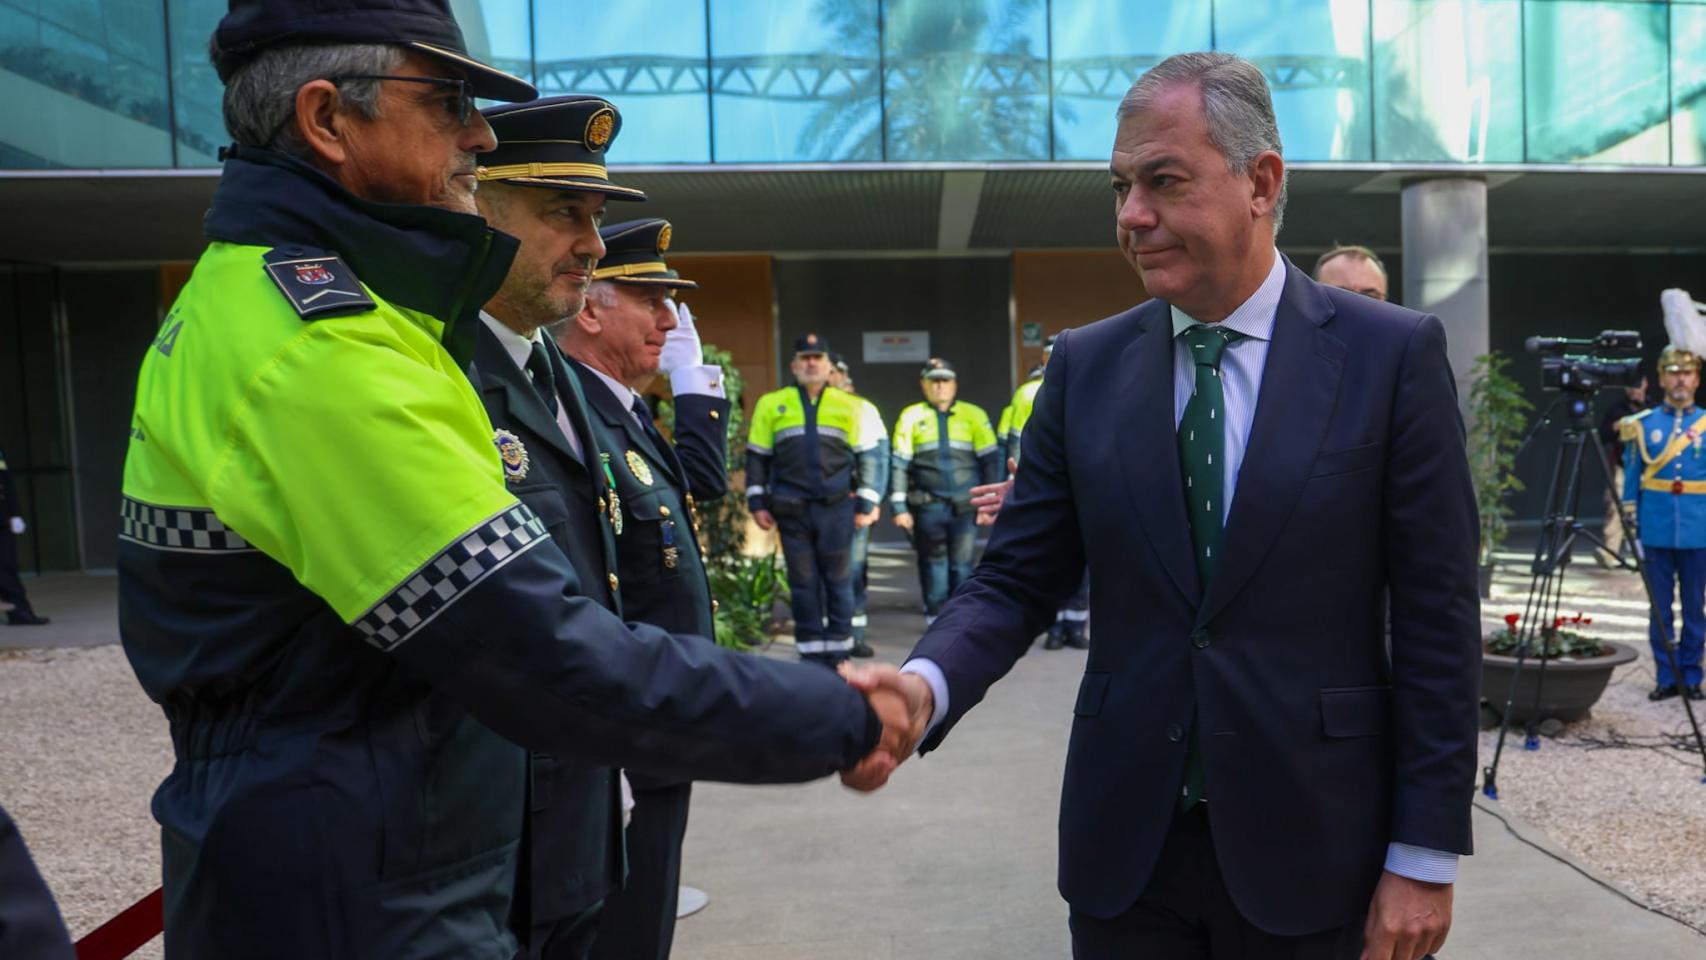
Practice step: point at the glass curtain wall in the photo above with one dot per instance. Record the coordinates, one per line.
(126, 83)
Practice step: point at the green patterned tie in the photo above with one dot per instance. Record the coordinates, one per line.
(1202, 460)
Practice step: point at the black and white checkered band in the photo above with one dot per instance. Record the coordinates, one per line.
(183, 529)
(442, 580)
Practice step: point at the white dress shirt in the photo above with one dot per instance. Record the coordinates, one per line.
(1241, 367)
(520, 349)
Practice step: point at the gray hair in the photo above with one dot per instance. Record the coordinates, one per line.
(603, 291)
(1236, 105)
(260, 99)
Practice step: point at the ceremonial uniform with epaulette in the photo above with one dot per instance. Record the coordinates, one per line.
(1664, 472)
(354, 627)
(572, 855)
(658, 486)
(941, 449)
(803, 469)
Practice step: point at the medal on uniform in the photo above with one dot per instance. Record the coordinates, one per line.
(671, 555)
(638, 468)
(615, 501)
(513, 454)
(693, 516)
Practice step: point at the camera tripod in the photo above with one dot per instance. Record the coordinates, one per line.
(1559, 531)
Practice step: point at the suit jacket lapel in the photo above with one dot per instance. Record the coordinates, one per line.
(500, 375)
(1299, 387)
(1150, 449)
(619, 417)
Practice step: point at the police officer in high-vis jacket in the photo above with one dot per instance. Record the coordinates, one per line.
(629, 332)
(353, 626)
(1664, 481)
(942, 448)
(803, 477)
(873, 462)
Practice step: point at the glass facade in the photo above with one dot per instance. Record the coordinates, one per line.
(126, 83)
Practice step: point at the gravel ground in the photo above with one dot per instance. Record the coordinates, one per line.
(83, 750)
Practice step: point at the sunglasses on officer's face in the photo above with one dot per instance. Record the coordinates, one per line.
(460, 106)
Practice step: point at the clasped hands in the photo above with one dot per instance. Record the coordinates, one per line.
(904, 703)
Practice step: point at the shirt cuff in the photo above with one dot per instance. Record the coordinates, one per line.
(932, 675)
(704, 380)
(1420, 863)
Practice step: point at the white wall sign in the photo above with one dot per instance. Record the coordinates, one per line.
(897, 346)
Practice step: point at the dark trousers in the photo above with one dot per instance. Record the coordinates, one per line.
(567, 939)
(11, 588)
(861, 580)
(817, 543)
(1186, 914)
(1069, 621)
(1664, 568)
(639, 921)
(946, 543)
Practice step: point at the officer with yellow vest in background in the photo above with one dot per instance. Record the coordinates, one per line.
(873, 461)
(942, 448)
(804, 479)
(1664, 481)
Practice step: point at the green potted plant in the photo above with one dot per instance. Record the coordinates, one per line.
(1498, 413)
(1577, 667)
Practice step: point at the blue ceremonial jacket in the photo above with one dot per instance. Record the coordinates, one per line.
(1671, 505)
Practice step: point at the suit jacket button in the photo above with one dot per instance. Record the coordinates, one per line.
(1175, 732)
(1200, 639)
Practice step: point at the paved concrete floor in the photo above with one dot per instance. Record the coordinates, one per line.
(956, 857)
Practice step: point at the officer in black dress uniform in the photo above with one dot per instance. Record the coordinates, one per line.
(629, 332)
(11, 527)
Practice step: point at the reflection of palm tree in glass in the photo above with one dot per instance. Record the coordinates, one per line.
(961, 84)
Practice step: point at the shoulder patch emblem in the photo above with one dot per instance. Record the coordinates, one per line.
(317, 284)
(513, 454)
(638, 468)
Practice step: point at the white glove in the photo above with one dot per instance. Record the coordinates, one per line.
(681, 347)
(18, 525)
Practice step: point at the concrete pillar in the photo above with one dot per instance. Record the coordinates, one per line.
(1445, 263)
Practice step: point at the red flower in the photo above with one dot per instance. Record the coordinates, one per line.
(1511, 619)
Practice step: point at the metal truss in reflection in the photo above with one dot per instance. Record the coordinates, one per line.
(821, 76)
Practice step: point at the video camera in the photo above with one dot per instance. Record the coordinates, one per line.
(1611, 359)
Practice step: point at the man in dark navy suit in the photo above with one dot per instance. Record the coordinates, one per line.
(629, 332)
(1253, 771)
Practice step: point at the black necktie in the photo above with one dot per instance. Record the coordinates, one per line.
(539, 368)
(644, 414)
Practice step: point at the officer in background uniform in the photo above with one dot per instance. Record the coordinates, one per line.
(628, 332)
(352, 625)
(873, 462)
(545, 185)
(11, 528)
(1664, 480)
(1069, 622)
(803, 472)
(942, 448)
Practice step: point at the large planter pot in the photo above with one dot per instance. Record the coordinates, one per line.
(1572, 687)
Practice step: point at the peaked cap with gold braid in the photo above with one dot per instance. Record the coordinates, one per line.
(558, 143)
(633, 253)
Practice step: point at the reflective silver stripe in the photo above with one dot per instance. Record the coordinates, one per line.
(824, 646)
(1073, 615)
(835, 432)
(959, 444)
(870, 494)
(983, 450)
(870, 446)
(926, 445)
(899, 498)
(755, 448)
(787, 432)
(178, 529)
(449, 575)
(756, 490)
(861, 620)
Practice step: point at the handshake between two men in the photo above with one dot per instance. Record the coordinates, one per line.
(905, 704)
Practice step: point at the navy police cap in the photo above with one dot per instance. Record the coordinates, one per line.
(426, 26)
(557, 142)
(633, 253)
(936, 368)
(810, 343)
